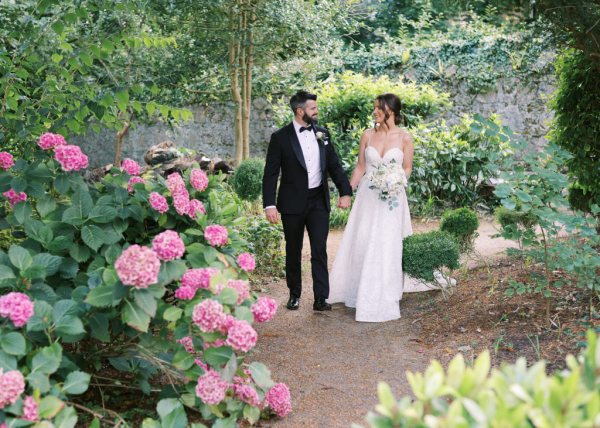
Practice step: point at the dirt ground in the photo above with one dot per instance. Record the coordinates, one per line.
(333, 364)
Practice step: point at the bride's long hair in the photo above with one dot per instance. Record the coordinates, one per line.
(390, 102)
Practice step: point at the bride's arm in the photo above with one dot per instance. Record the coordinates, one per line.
(408, 155)
(359, 169)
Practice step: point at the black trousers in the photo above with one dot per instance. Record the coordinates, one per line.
(315, 219)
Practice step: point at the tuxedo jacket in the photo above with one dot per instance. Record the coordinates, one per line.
(284, 156)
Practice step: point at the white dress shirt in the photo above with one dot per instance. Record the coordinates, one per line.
(312, 158)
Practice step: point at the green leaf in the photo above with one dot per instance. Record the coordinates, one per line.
(103, 214)
(19, 257)
(39, 231)
(99, 327)
(50, 406)
(183, 360)
(261, 375)
(218, 356)
(62, 184)
(70, 325)
(93, 236)
(171, 412)
(50, 262)
(77, 382)
(171, 271)
(42, 316)
(39, 381)
(251, 414)
(7, 276)
(13, 343)
(58, 27)
(244, 313)
(47, 359)
(80, 253)
(173, 314)
(135, 317)
(66, 419)
(7, 362)
(228, 296)
(145, 300)
(101, 296)
(22, 211)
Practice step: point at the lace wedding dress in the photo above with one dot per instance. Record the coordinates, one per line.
(367, 271)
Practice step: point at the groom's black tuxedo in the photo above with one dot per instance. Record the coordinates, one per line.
(301, 207)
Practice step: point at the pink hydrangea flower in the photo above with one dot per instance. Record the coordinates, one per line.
(50, 140)
(211, 388)
(198, 278)
(16, 306)
(246, 262)
(30, 409)
(264, 309)
(201, 364)
(216, 235)
(227, 323)
(181, 201)
(208, 315)
(195, 206)
(6, 160)
(279, 400)
(12, 385)
(175, 181)
(168, 245)
(130, 166)
(198, 179)
(241, 336)
(138, 266)
(185, 292)
(158, 202)
(241, 287)
(14, 197)
(217, 343)
(70, 157)
(188, 344)
(246, 393)
(134, 180)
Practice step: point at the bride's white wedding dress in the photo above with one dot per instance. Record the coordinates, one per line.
(367, 271)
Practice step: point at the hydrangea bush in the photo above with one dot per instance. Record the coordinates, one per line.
(144, 274)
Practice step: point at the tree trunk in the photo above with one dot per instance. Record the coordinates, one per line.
(120, 135)
(248, 80)
(234, 75)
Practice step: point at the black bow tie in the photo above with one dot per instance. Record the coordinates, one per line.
(306, 128)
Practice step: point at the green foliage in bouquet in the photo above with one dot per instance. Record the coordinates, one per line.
(513, 396)
(425, 253)
(247, 179)
(462, 223)
(144, 275)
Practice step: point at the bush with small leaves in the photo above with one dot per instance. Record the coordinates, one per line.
(469, 396)
(247, 179)
(425, 253)
(462, 223)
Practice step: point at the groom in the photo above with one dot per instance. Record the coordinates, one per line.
(302, 152)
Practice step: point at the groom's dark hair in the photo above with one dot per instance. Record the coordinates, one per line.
(300, 98)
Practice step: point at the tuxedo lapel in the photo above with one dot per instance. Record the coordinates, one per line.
(293, 138)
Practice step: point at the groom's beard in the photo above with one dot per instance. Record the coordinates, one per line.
(309, 120)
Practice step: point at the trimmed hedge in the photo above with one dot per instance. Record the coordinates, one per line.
(425, 253)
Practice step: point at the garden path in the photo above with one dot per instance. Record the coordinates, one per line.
(332, 363)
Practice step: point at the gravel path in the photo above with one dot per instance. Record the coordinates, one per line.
(332, 363)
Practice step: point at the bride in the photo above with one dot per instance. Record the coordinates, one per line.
(367, 271)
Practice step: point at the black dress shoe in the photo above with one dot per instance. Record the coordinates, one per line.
(293, 303)
(321, 305)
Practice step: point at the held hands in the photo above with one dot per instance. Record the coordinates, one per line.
(344, 202)
(272, 215)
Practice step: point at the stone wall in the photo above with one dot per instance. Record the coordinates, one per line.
(521, 104)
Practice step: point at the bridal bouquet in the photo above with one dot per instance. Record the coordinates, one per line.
(389, 180)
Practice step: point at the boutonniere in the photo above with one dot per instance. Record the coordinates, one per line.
(321, 137)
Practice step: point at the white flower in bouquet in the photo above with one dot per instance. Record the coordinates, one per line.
(389, 180)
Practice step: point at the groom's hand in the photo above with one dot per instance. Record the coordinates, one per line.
(344, 202)
(272, 215)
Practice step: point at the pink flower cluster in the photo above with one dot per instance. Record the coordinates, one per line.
(279, 400)
(138, 266)
(192, 280)
(130, 166)
(241, 336)
(211, 388)
(14, 197)
(215, 344)
(194, 206)
(30, 409)
(6, 160)
(198, 179)
(16, 306)
(181, 197)
(246, 262)
(12, 385)
(208, 315)
(216, 235)
(246, 393)
(264, 309)
(50, 140)
(134, 180)
(158, 202)
(70, 157)
(187, 343)
(241, 287)
(168, 245)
